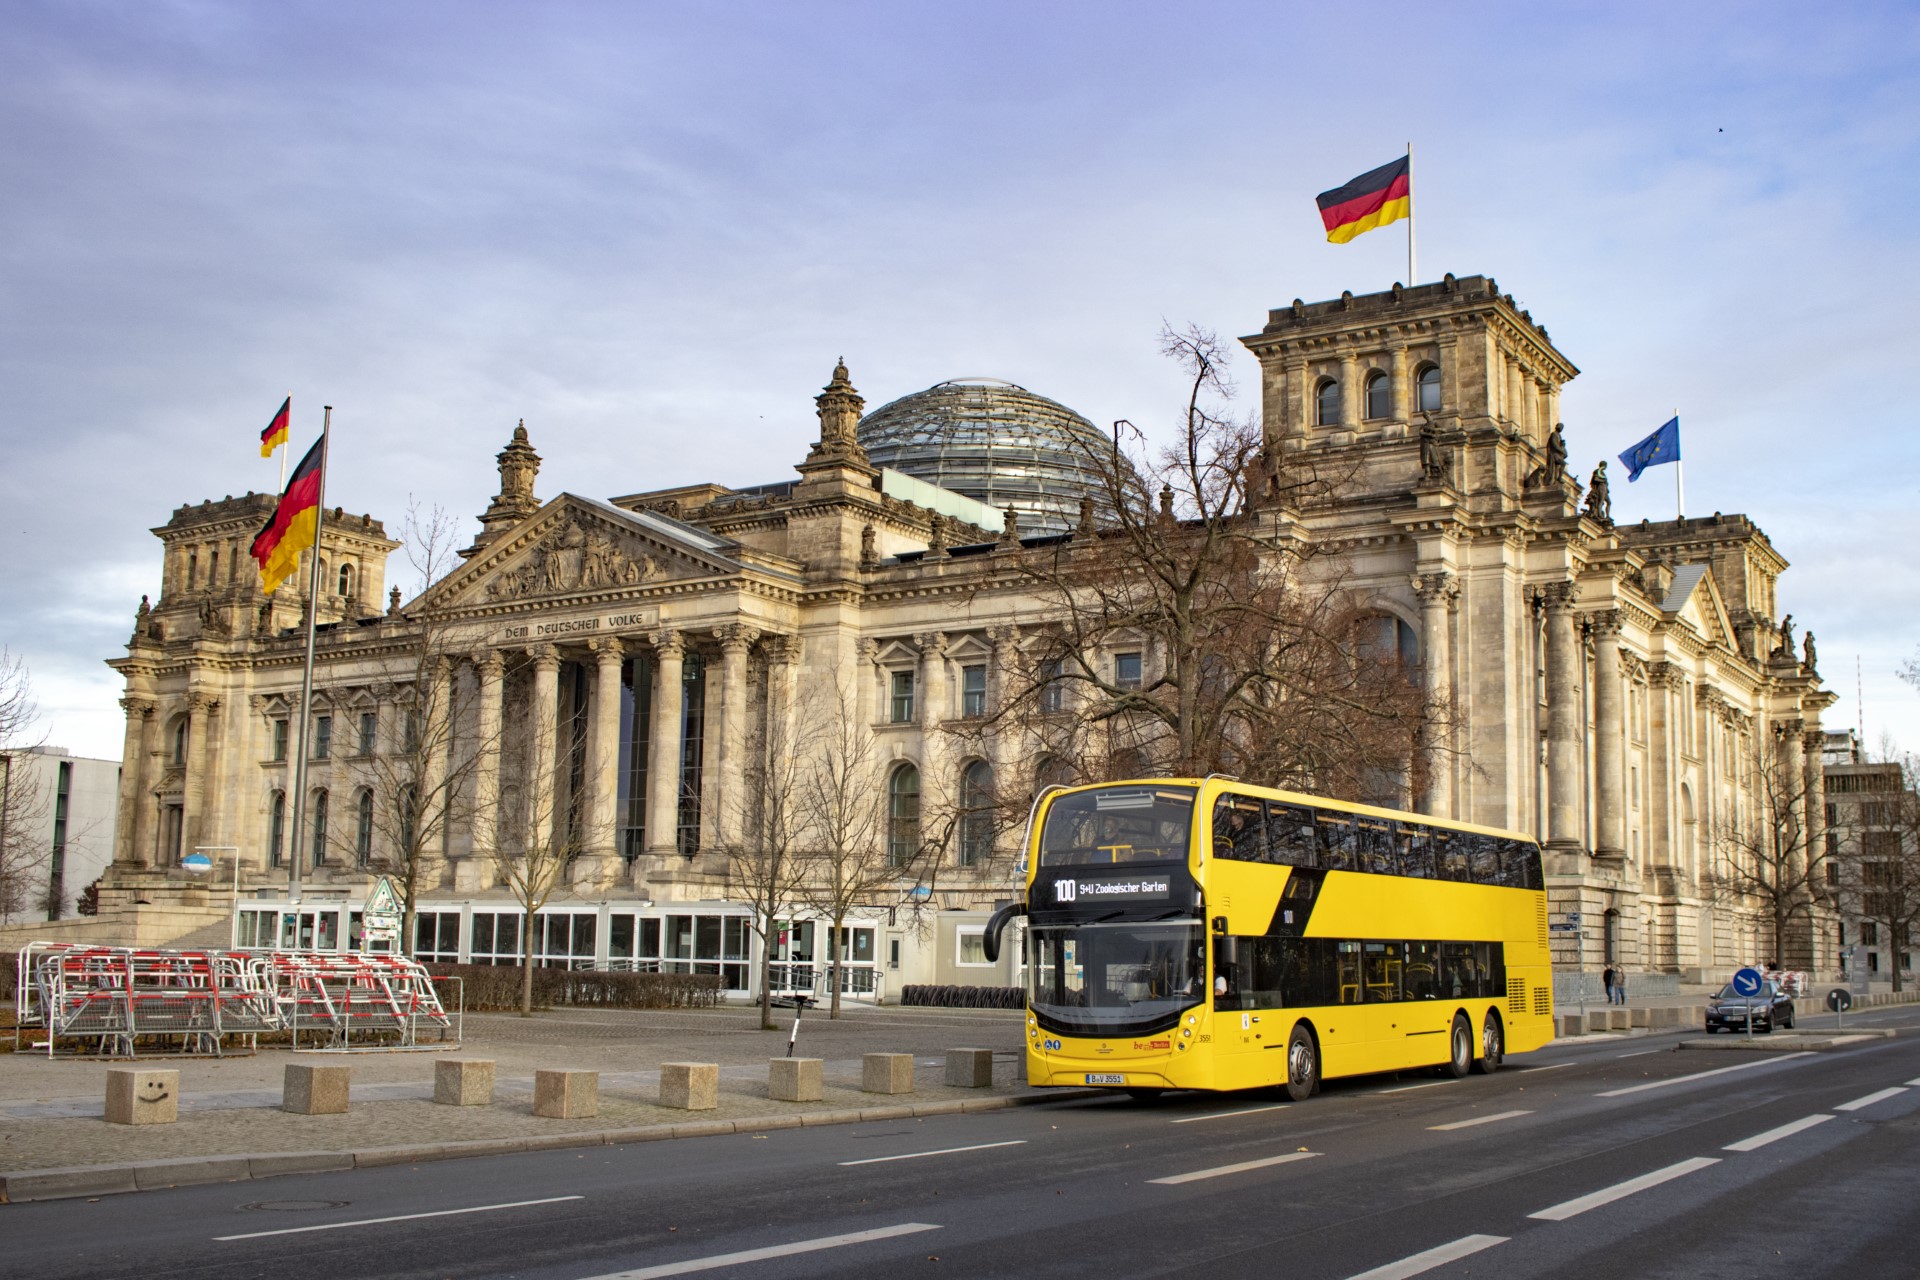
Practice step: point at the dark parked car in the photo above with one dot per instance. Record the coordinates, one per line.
(1773, 1007)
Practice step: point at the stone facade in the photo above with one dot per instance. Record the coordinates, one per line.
(1615, 687)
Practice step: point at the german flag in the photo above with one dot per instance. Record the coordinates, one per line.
(280, 541)
(276, 432)
(1371, 200)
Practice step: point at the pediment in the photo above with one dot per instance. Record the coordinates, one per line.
(1704, 611)
(576, 546)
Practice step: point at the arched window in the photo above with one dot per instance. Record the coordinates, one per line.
(1427, 389)
(1385, 638)
(193, 569)
(213, 566)
(319, 827)
(363, 830)
(277, 828)
(1327, 404)
(976, 813)
(180, 741)
(903, 815)
(1379, 396)
(346, 580)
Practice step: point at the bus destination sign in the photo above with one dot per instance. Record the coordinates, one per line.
(1146, 888)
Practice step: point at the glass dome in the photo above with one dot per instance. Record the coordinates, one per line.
(993, 441)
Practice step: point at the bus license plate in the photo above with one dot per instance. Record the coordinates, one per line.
(1106, 1079)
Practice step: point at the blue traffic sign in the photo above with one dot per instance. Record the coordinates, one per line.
(1747, 982)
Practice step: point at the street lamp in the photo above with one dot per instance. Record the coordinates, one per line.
(199, 863)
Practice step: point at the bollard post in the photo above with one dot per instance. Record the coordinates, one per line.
(142, 1097)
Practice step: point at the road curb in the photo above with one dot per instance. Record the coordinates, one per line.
(90, 1181)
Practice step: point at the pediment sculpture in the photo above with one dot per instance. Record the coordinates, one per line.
(574, 558)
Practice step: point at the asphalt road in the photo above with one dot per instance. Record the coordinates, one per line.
(1625, 1158)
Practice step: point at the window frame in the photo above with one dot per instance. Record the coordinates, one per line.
(1326, 403)
(1376, 384)
(901, 696)
(973, 701)
(1427, 375)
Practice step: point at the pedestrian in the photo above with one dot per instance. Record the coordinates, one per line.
(1620, 986)
(1606, 980)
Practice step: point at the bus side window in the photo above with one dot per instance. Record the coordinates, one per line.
(1459, 971)
(1518, 861)
(1492, 958)
(1239, 829)
(1530, 858)
(1336, 841)
(1376, 846)
(1450, 855)
(1483, 855)
(1422, 980)
(1414, 843)
(1290, 834)
(1347, 973)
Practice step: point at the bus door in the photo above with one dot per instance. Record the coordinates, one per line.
(1344, 1028)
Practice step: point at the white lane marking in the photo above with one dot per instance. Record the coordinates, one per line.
(1913, 1082)
(1431, 1084)
(1468, 1124)
(1760, 1140)
(1553, 1066)
(719, 1260)
(1226, 1169)
(1703, 1075)
(399, 1217)
(1464, 1247)
(1228, 1115)
(1639, 1053)
(1872, 1098)
(944, 1151)
(1621, 1190)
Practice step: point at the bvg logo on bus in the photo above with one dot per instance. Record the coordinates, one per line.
(1152, 1044)
(1064, 890)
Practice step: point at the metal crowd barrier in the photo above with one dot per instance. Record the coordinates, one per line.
(115, 995)
(335, 996)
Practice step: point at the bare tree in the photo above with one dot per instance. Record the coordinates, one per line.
(418, 782)
(852, 852)
(1201, 629)
(764, 866)
(533, 864)
(1880, 867)
(22, 803)
(1763, 857)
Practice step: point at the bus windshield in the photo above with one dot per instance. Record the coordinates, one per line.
(1118, 824)
(1115, 979)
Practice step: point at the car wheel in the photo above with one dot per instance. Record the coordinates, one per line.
(1303, 1064)
(1460, 1047)
(1493, 1045)
(1711, 1028)
(1788, 1024)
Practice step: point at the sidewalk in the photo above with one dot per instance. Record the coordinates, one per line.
(54, 1140)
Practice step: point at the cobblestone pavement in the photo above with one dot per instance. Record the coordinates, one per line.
(51, 1111)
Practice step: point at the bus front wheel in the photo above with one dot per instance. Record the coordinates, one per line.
(1303, 1064)
(1460, 1042)
(1493, 1045)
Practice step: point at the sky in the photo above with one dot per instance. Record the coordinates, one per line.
(649, 231)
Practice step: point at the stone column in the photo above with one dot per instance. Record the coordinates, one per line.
(866, 672)
(192, 789)
(735, 642)
(601, 811)
(933, 678)
(1609, 760)
(1516, 400)
(1349, 391)
(488, 720)
(663, 763)
(1402, 410)
(1790, 785)
(1299, 394)
(1815, 785)
(1437, 592)
(543, 823)
(1563, 721)
(435, 725)
(133, 784)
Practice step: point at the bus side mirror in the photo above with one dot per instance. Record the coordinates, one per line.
(996, 923)
(1219, 924)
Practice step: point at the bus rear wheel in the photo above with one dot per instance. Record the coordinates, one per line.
(1460, 1047)
(1493, 1045)
(1303, 1064)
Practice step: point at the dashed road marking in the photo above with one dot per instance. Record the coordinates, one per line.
(1228, 1115)
(1225, 1169)
(1468, 1124)
(1464, 1247)
(1872, 1098)
(719, 1260)
(944, 1151)
(399, 1217)
(1702, 1075)
(1621, 1190)
(1759, 1140)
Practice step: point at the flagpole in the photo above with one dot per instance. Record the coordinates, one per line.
(286, 444)
(306, 673)
(1679, 484)
(1413, 277)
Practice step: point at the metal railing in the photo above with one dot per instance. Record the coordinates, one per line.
(117, 995)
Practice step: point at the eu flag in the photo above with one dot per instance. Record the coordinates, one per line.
(1662, 446)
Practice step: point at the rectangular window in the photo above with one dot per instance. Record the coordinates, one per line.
(973, 692)
(971, 948)
(1870, 933)
(1126, 670)
(1290, 834)
(693, 731)
(636, 744)
(279, 739)
(901, 711)
(322, 737)
(1053, 693)
(1880, 844)
(1339, 843)
(369, 722)
(1240, 829)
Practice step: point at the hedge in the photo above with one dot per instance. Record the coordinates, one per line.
(927, 995)
(498, 987)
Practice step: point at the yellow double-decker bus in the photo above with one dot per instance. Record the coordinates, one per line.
(1210, 934)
